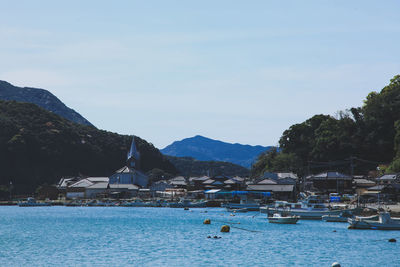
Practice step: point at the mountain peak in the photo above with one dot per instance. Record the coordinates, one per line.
(42, 98)
(206, 149)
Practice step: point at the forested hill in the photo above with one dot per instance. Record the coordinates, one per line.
(191, 167)
(42, 98)
(358, 139)
(206, 149)
(38, 146)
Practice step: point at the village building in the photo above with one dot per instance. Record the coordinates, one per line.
(362, 184)
(124, 183)
(178, 182)
(196, 183)
(130, 174)
(86, 187)
(388, 178)
(383, 192)
(330, 182)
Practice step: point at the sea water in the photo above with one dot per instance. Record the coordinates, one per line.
(121, 236)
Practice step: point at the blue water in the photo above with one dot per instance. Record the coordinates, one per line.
(117, 236)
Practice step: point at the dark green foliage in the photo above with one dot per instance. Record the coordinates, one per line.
(274, 161)
(42, 98)
(368, 133)
(37, 147)
(395, 165)
(157, 175)
(191, 167)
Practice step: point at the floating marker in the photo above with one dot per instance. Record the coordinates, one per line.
(225, 229)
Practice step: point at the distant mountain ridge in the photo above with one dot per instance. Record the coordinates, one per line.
(42, 98)
(206, 149)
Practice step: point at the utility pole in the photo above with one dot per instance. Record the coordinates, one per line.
(10, 188)
(351, 166)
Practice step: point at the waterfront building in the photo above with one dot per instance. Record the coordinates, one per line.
(86, 187)
(130, 174)
(279, 191)
(388, 178)
(330, 182)
(178, 182)
(197, 182)
(362, 184)
(383, 192)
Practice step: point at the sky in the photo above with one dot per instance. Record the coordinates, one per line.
(236, 71)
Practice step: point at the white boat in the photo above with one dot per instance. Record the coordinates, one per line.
(342, 217)
(278, 218)
(31, 202)
(101, 204)
(187, 204)
(311, 209)
(242, 206)
(136, 203)
(385, 222)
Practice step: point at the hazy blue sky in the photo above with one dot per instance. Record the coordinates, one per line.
(238, 71)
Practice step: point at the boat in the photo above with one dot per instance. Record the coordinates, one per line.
(342, 217)
(99, 203)
(384, 222)
(278, 218)
(184, 203)
(73, 204)
(136, 203)
(312, 208)
(31, 202)
(373, 218)
(243, 206)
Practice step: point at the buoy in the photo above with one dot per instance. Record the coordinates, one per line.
(207, 221)
(392, 240)
(336, 264)
(209, 236)
(225, 229)
(334, 231)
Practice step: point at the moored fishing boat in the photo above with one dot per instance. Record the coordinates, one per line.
(310, 209)
(136, 203)
(243, 206)
(342, 217)
(31, 202)
(278, 218)
(385, 222)
(184, 203)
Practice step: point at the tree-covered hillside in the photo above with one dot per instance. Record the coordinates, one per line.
(357, 140)
(38, 146)
(191, 167)
(42, 98)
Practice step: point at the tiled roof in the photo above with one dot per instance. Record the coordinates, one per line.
(270, 187)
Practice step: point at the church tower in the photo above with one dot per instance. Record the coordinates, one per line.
(133, 157)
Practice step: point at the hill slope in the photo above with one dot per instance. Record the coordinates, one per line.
(206, 149)
(191, 167)
(42, 98)
(38, 146)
